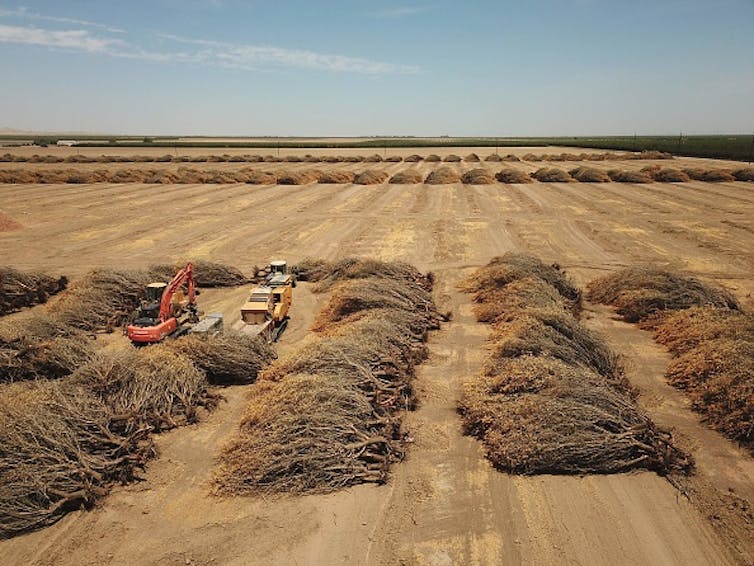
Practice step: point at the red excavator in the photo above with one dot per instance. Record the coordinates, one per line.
(167, 309)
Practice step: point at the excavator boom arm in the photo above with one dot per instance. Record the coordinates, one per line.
(185, 275)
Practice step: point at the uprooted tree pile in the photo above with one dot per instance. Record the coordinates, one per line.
(19, 289)
(552, 397)
(206, 273)
(104, 298)
(478, 176)
(53, 344)
(707, 332)
(406, 177)
(638, 292)
(229, 357)
(551, 175)
(40, 347)
(443, 176)
(328, 273)
(512, 176)
(59, 452)
(154, 388)
(64, 442)
(329, 415)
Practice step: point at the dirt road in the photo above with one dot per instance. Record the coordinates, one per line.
(444, 504)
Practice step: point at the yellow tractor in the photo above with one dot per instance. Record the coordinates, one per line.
(266, 312)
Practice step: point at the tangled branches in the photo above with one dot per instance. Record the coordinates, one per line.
(638, 292)
(20, 289)
(40, 347)
(328, 273)
(58, 452)
(206, 273)
(153, 388)
(229, 357)
(329, 415)
(552, 397)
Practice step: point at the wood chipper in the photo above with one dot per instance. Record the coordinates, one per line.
(266, 312)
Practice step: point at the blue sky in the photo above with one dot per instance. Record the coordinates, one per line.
(486, 68)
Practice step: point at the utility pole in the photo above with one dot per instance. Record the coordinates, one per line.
(680, 141)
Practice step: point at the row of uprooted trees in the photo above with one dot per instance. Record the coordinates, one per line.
(706, 330)
(329, 415)
(442, 175)
(552, 396)
(76, 419)
(246, 158)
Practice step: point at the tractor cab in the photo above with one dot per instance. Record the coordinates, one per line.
(149, 310)
(279, 275)
(279, 267)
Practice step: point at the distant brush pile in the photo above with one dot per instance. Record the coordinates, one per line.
(371, 177)
(479, 176)
(552, 175)
(336, 177)
(329, 415)
(407, 177)
(551, 397)
(621, 176)
(709, 175)
(707, 332)
(589, 175)
(596, 156)
(443, 176)
(512, 176)
(298, 177)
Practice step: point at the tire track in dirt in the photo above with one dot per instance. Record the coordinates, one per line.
(446, 504)
(723, 469)
(660, 240)
(682, 197)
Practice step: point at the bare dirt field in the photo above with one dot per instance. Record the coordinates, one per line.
(444, 504)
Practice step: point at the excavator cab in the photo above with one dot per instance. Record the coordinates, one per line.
(155, 291)
(167, 309)
(149, 311)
